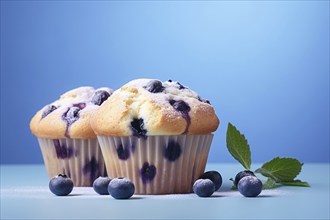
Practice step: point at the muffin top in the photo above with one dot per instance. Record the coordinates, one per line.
(70, 115)
(146, 107)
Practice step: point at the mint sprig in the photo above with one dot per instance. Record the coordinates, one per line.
(280, 171)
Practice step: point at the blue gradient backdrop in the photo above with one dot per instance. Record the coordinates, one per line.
(263, 65)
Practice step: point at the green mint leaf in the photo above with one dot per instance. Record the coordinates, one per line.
(296, 183)
(268, 174)
(281, 169)
(238, 146)
(269, 184)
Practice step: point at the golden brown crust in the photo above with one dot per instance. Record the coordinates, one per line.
(160, 117)
(57, 123)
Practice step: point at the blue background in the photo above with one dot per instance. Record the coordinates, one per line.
(263, 65)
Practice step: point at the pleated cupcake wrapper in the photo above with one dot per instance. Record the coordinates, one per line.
(80, 159)
(154, 164)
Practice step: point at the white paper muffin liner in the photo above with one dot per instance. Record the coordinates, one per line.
(80, 159)
(157, 164)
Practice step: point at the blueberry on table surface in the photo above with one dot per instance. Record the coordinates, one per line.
(204, 187)
(100, 96)
(250, 186)
(61, 185)
(154, 86)
(242, 174)
(100, 185)
(215, 177)
(121, 188)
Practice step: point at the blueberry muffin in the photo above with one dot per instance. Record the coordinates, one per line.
(67, 141)
(158, 134)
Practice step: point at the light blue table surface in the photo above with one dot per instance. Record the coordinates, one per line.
(25, 194)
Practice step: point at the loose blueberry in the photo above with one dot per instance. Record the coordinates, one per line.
(148, 172)
(215, 177)
(155, 86)
(242, 174)
(172, 150)
(204, 187)
(121, 188)
(249, 186)
(100, 185)
(49, 109)
(180, 105)
(61, 185)
(100, 96)
(137, 127)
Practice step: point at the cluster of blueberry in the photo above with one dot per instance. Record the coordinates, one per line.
(118, 188)
(207, 184)
(71, 115)
(248, 184)
(245, 181)
(156, 86)
(122, 188)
